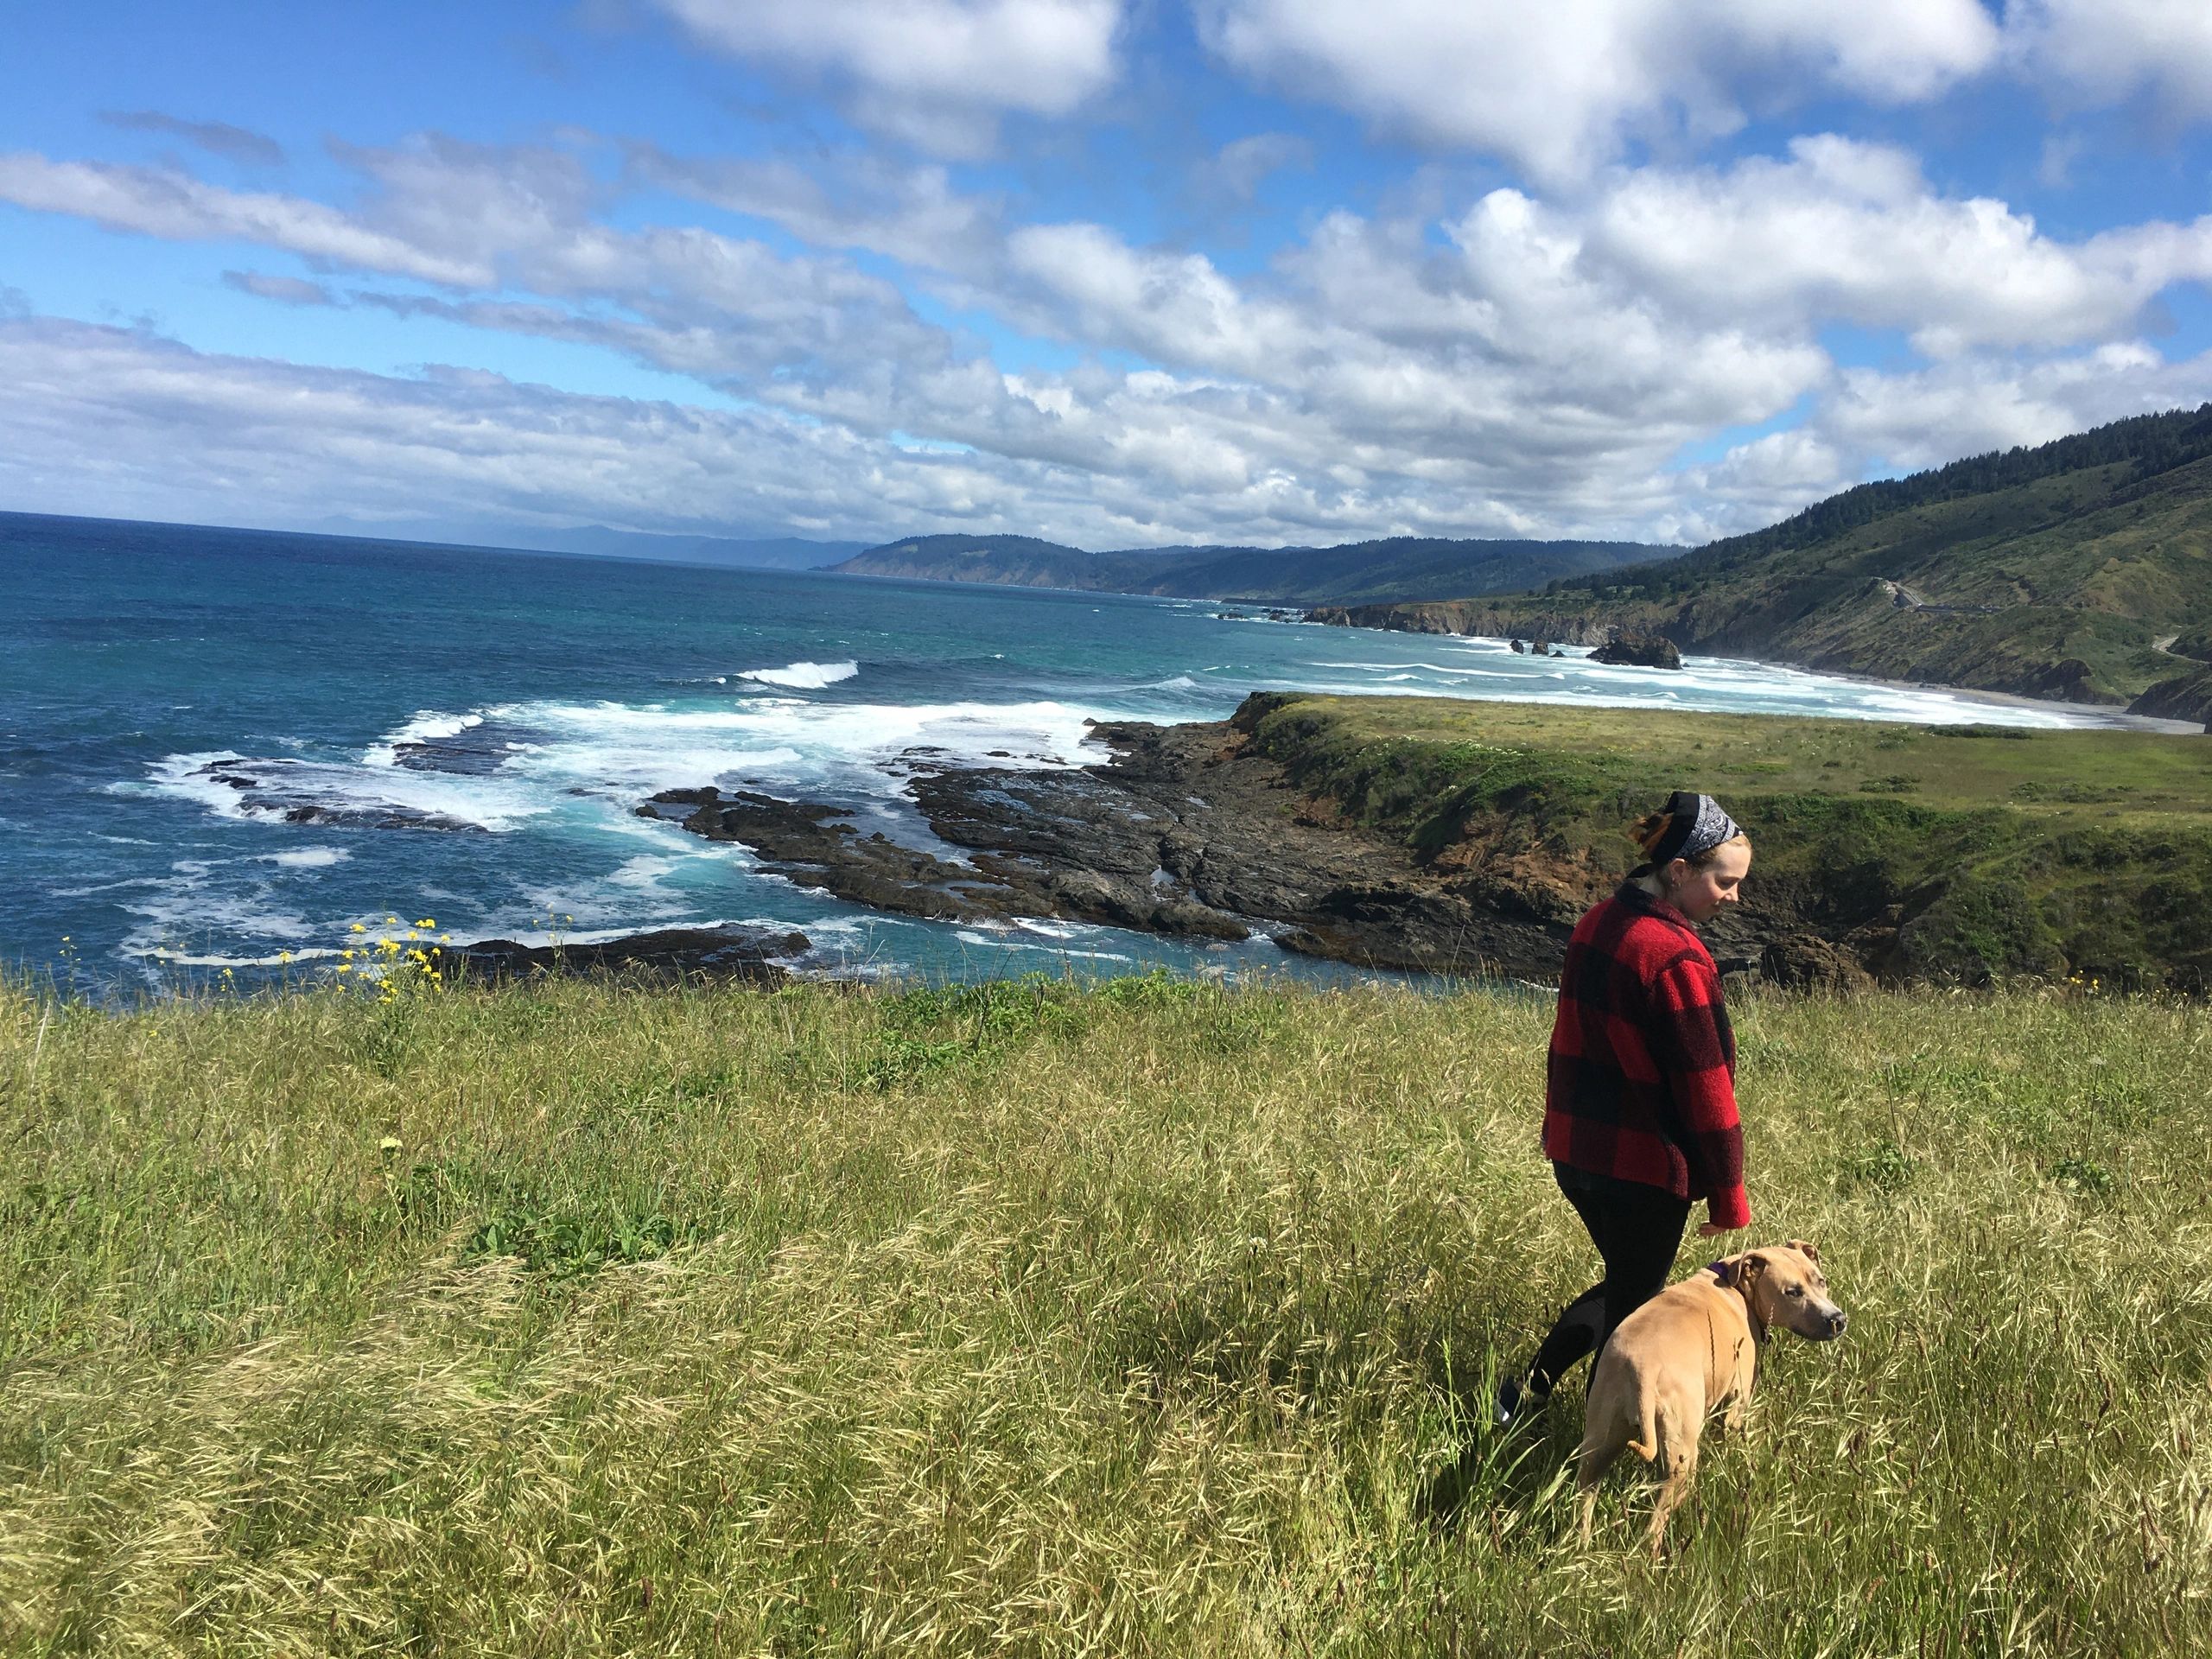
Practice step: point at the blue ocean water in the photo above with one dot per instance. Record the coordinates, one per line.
(474, 729)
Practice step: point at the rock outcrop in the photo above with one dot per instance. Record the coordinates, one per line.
(1481, 618)
(2186, 696)
(1190, 832)
(1639, 651)
(753, 955)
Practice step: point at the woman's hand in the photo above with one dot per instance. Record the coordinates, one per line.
(1712, 1229)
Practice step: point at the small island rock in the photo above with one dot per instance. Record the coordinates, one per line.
(1638, 651)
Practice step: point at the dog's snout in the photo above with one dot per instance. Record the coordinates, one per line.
(1836, 1322)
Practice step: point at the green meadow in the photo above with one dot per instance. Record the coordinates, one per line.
(1990, 853)
(1146, 1316)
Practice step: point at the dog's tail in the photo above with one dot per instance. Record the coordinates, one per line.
(1648, 1446)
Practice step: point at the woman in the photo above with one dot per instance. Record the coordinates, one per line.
(1640, 1103)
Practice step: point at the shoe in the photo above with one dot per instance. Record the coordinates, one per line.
(1517, 1399)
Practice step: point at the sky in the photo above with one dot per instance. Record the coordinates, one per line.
(1115, 272)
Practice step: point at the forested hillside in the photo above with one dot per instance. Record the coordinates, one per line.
(2080, 570)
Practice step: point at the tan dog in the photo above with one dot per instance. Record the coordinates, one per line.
(1688, 1352)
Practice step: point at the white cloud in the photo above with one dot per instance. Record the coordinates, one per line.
(111, 421)
(935, 71)
(1851, 232)
(1524, 364)
(850, 201)
(2095, 52)
(492, 221)
(107, 421)
(1561, 87)
(157, 203)
(1929, 416)
(1871, 422)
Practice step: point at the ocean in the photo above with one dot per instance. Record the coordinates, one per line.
(464, 735)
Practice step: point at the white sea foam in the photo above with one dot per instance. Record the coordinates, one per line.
(310, 858)
(1702, 682)
(803, 677)
(968, 935)
(497, 803)
(1049, 930)
(282, 959)
(627, 752)
(180, 774)
(1425, 668)
(643, 872)
(123, 885)
(428, 726)
(183, 911)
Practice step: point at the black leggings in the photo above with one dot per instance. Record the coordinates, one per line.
(1638, 1230)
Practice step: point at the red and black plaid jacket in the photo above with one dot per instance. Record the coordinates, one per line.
(1641, 1084)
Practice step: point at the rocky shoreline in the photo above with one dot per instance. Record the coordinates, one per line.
(1336, 837)
(1189, 831)
(751, 956)
(2184, 698)
(2177, 704)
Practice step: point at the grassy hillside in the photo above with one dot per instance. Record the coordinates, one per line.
(2072, 570)
(1401, 568)
(1155, 1318)
(1962, 853)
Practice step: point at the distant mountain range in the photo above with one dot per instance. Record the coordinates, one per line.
(1402, 566)
(600, 541)
(759, 553)
(2078, 570)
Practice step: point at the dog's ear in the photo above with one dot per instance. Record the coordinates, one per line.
(1739, 1272)
(1805, 1248)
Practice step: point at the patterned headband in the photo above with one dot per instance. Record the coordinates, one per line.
(1696, 824)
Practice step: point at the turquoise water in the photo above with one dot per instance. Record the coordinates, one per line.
(472, 731)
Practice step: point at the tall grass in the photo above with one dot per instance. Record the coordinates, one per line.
(1154, 1317)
